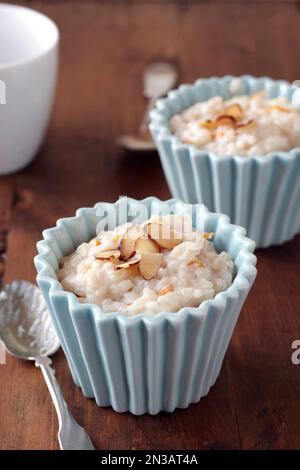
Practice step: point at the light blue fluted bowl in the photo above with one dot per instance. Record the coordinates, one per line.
(144, 364)
(260, 193)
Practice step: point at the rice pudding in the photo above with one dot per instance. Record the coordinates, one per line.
(151, 268)
(243, 125)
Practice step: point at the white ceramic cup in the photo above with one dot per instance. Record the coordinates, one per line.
(28, 71)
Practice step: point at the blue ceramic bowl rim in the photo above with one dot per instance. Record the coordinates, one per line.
(240, 282)
(159, 123)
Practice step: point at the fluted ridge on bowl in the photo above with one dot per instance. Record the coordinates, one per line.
(232, 185)
(143, 364)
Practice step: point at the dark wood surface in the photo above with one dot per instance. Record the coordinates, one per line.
(255, 403)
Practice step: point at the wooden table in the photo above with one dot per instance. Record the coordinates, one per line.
(255, 403)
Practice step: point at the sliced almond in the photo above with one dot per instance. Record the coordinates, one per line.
(225, 120)
(127, 264)
(209, 124)
(163, 236)
(277, 107)
(127, 248)
(208, 235)
(112, 254)
(133, 269)
(166, 289)
(128, 240)
(116, 238)
(235, 111)
(246, 125)
(150, 264)
(146, 245)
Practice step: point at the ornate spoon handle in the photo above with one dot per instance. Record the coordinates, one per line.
(71, 436)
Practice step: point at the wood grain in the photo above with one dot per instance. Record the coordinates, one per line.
(104, 47)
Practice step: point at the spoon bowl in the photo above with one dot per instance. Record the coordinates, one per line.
(159, 78)
(136, 144)
(25, 323)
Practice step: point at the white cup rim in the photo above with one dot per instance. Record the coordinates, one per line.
(52, 44)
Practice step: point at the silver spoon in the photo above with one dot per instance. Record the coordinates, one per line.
(159, 78)
(27, 333)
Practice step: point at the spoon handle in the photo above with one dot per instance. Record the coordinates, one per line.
(71, 436)
(145, 120)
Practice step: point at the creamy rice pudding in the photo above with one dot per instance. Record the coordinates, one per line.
(160, 265)
(243, 125)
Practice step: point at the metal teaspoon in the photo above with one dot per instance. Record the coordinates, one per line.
(27, 333)
(159, 78)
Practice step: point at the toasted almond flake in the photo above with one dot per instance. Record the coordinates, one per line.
(157, 231)
(225, 120)
(208, 235)
(116, 261)
(166, 289)
(235, 111)
(222, 120)
(146, 245)
(127, 248)
(133, 269)
(150, 264)
(277, 107)
(200, 263)
(127, 243)
(246, 125)
(209, 124)
(127, 264)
